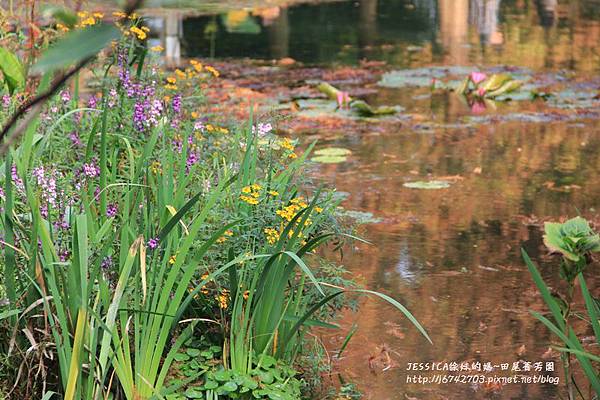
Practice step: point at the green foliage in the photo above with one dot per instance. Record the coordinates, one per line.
(133, 227)
(12, 70)
(76, 46)
(574, 240)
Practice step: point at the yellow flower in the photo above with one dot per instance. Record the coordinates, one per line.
(250, 200)
(145, 29)
(157, 49)
(170, 87)
(141, 35)
(156, 167)
(272, 235)
(62, 28)
(273, 193)
(194, 114)
(133, 16)
(119, 14)
(172, 259)
(223, 298)
(318, 209)
(292, 155)
(246, 294)
(197, 65)
(246, 189)
(82, 14)
(89, 21)
(180, 73)
(212, 70)
(98, 15)
(286, 144)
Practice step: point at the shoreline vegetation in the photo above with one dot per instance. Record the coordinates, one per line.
(147, 250)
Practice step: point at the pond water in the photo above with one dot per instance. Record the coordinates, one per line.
(450, 255)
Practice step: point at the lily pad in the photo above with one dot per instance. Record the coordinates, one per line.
(329, 159)
(361, 217)
(427, 185)
(423, 77)
(333, 151)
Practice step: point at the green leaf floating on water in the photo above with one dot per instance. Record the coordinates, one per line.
(359, 106)
(333, 151)
(329, 159)
(331, 155)
(427, 185)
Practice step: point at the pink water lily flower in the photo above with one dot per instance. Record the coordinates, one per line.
(343, 99)
(478, 77)
(481, 92)
(478, 107)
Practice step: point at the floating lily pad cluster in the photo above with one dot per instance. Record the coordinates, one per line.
(481, 85)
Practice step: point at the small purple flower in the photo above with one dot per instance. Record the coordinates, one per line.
(191, 160)
(112, 98)
(93, 102)
(6, 101)
(74, 137)
(91, 170)
(15, 178)
(262, 129)
(198, 125)
(65, 96)
(111, 210)
(64, 255)
(106, 262)
(177, 103)
(153, 243)
(46, 180)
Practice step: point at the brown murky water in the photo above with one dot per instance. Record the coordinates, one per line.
(450, 255)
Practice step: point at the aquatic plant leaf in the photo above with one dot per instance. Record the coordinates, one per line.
(361, 107)
(12, 69)
(366, 110)
(76, 46)
(573, 238)
(333, 151)
(360, 217)
(494, 82)
(329, 159)
(424, 77)
(427, 185)
(507, 87)
(464, 86)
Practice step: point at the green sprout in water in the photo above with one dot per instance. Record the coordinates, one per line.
(574, 240)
